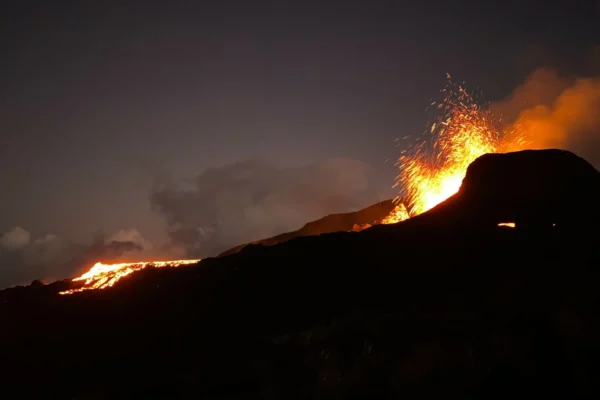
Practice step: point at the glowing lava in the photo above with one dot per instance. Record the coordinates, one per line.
(507, 224)
(432, 170)
(400, 213)
(102, 276)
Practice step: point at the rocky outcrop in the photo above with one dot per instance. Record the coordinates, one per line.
(532, 187)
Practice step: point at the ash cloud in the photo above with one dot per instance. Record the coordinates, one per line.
(50, 257)
(554, 111)
(251, 200)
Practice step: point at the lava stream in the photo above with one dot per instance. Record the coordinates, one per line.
(102, 276)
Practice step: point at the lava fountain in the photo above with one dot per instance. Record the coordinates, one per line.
(102, 276)
(432, 169)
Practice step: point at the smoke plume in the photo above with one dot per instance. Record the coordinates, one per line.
(553, 111)
(251, 200)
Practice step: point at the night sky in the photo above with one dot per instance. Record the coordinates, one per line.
(99, 101)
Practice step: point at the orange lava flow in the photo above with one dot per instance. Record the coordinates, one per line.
(432, 170)
(102, 276)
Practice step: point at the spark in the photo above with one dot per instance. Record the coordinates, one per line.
(507, 224)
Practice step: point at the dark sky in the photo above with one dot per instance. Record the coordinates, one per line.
(98, 97)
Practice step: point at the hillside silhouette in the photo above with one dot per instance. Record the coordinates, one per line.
(343, 222)
(446, 304)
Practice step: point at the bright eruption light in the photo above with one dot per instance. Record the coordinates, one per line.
(432, 170)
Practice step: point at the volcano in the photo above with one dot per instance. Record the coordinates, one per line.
(447, 303)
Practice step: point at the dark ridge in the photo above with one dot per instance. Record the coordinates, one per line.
(345, 222)
(446, 304)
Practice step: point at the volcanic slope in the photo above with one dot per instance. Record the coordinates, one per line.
(443, 304)
(345, 222)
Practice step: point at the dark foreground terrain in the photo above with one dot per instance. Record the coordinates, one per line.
(445, 305)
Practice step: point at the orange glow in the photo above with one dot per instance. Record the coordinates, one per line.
(507, 224)
(400, 213)
(433, 169)
(102, 276)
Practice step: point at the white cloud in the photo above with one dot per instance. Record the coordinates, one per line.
(15, 239)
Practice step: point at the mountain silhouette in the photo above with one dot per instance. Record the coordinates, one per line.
(447, 303)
